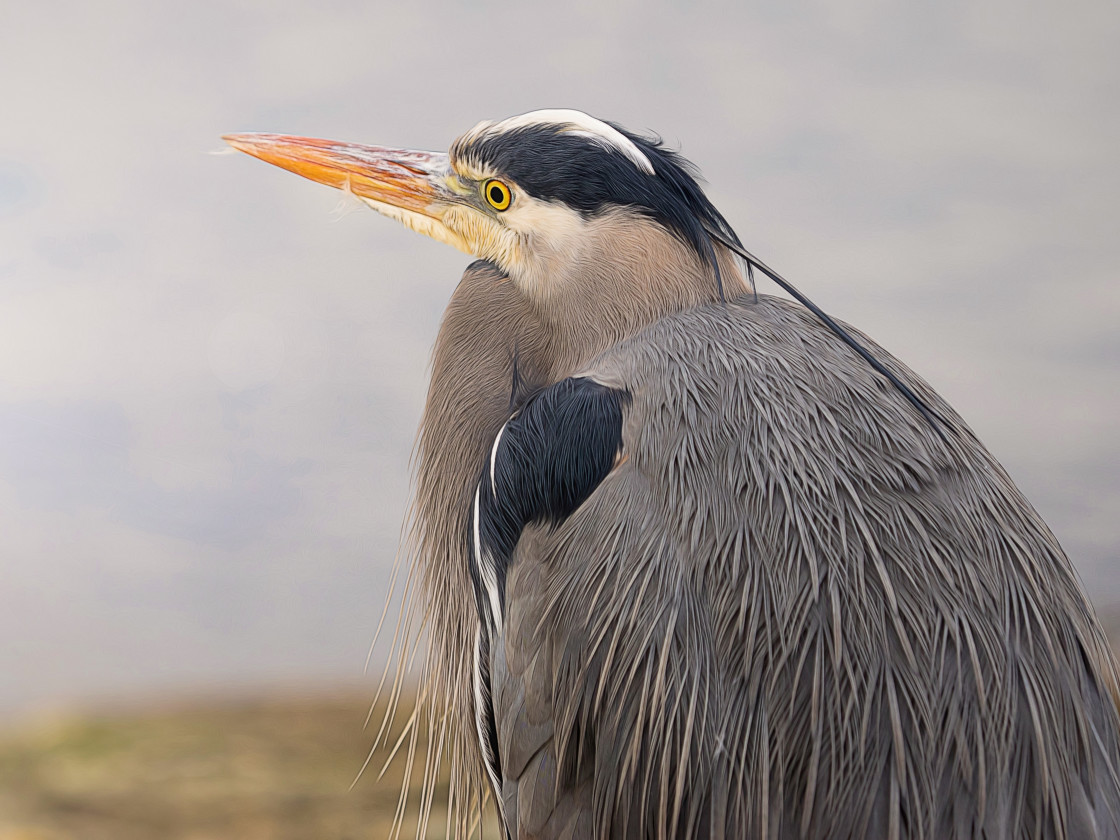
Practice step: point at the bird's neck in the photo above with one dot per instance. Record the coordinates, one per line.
(495, 335)
(623, 276)
(489, 329)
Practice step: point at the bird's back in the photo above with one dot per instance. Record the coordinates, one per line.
(792, 608)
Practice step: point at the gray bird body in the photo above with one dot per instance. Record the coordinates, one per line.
(793, 610)
(687, 565)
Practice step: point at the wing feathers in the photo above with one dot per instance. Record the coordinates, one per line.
(793, 610)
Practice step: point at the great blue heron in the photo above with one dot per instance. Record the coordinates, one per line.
(690, 565)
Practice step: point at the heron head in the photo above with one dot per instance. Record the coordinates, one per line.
(541, 195)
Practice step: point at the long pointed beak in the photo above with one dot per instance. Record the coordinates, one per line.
(411, 187)
(410, 180)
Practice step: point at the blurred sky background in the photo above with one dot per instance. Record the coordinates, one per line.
(210, 377)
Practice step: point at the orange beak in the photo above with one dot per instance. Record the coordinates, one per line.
(413, 181)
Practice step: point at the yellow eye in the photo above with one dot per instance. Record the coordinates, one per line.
(497, 194)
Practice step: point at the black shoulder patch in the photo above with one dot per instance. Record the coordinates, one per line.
(545, 462)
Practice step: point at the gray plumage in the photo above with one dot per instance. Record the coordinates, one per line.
(792, 608)
(793, 611)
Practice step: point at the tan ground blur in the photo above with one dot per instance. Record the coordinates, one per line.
(275, 769)
(279, 769)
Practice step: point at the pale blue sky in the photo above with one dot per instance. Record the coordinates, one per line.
(210, 374)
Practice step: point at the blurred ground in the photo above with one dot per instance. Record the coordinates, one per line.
(266, 769)
(276, 769)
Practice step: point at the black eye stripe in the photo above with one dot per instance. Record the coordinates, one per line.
(589, 177)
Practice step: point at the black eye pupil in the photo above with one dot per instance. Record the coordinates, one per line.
(496, 194)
